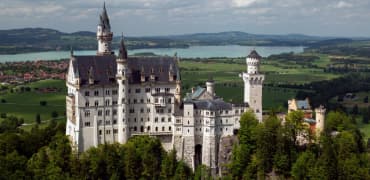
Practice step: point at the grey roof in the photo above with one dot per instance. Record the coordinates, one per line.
(254, 55)
(215, 104)
(303, 104)
(105, 69)
(122, 50)
(198, 91)
(158, 66)
(104, 19)
(309, 120)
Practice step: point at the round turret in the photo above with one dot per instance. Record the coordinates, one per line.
(210, 84)
(320, 119)
(104, 34)
(253, 62)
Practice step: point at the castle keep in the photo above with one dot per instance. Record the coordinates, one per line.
(114, 97)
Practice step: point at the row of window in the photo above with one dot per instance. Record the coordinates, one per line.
(100, 122)
(147, 129)
(137, 90)
(108, 122)
(96, 103)
(100, 112)
(107, 92)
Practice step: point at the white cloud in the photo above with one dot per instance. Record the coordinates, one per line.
(184, 16)
(243, 3)
(343, 4)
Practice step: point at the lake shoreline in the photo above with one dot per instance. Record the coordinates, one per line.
(228, 51)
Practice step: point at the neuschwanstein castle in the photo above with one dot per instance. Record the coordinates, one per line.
(114, 97)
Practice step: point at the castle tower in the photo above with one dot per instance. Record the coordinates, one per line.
(320, 119)
(104, 34)
(210, 86)
(209, 150)
(253, 83)
(178, 82)
(122, 74)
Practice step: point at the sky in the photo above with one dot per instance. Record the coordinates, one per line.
(346, 18)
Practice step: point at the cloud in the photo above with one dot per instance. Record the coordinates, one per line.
(243, 3)
(343, 4)
(153, 17)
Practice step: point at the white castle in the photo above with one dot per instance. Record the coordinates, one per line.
(112, 98)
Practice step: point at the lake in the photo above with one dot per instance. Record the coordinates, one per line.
(191, 52)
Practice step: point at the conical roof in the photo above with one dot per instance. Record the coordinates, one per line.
(122, 50)
(254, 55)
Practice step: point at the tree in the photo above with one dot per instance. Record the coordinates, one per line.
(183, 172)
(38, 119)
(202, 172)
(366, 116)
(54, 114)
(355, 110)
(267, 135)
(169, 164)
(302, 168)
(43, 103)
(242, 153)
(366, 99)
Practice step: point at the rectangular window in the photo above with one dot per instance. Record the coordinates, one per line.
(107, 122)
(137, 90)
(107, 92)
(114, 112)
(114, 102)
(87, 113)
(114, 92)
(114, 121)
(87, 124)
(157, 90)
(87, 104)
(87, 93)
(107, 112)
(115, 131)
(107, 131)
(100, 112)
(142, 101)
(107, 102)
(96, 103)
(96, 93)
(167, 90)
(147, 90)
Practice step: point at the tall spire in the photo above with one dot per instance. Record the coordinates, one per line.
(104, 34)
(104, 19)
(122, 49)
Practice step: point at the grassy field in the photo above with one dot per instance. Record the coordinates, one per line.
(27, 104)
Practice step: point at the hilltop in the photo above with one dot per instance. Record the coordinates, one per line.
(42, 39)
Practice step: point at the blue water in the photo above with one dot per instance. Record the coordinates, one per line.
(191, 52)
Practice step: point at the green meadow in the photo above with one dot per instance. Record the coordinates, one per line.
(27, 104)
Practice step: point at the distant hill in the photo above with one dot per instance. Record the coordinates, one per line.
(42, 39)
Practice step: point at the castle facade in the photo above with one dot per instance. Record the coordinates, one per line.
(114, 97)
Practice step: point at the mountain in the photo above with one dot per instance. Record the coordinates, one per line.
(42, 39)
